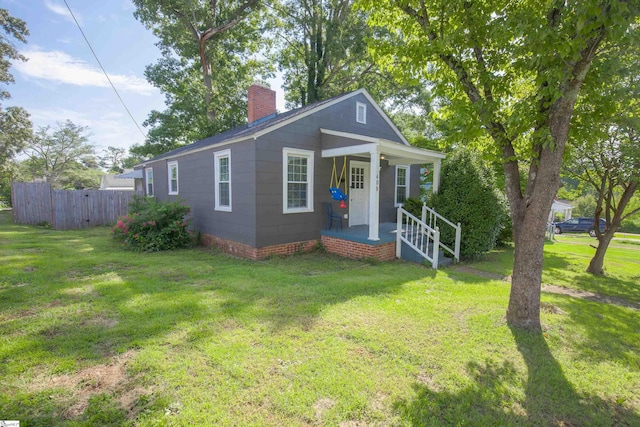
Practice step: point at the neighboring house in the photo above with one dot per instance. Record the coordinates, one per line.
(561, 207)
(261, 188)
(113, 182)
(134, 176)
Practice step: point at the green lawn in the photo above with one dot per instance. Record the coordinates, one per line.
(94, 335)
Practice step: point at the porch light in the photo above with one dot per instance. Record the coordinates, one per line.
(381, 156)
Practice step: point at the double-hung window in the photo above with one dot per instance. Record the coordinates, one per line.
(297, 178)
(172, 169)
(402, 184)
(149, 178)
(222, 166)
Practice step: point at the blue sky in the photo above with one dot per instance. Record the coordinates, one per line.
(62, 80)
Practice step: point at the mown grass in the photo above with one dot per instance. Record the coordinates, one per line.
(94, 335)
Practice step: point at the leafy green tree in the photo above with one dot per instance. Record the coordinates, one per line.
(207, 65)
(185, 120)
(12, 28)
(112, 159)
(511, 72)
(15, 126)
(605, 149)
(59, 155)
(584, 206)
(612, 167)
(131, 160)
(323, 51)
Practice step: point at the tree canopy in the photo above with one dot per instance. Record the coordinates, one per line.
(63, 157)
(208, 61)
(510, 73)
(605, 149)
(15, 125)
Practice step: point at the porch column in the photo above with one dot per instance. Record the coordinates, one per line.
(436, 176)
(374, 194)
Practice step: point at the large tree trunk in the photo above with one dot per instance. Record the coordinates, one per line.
(596, 265)
(529, 225)
(529, 215)
(524, 299)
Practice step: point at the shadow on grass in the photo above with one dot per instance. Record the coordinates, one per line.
(79, 300)
(608, 332)
(549, 398)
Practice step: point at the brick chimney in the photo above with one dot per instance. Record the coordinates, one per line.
(261, 102)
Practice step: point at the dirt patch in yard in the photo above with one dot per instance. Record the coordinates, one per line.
(553, 289)
(110, 378)
(591, 296)
(480, 273)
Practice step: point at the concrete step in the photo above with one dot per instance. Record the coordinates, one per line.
(409, 254)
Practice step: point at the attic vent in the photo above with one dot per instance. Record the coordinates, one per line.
(361, 113)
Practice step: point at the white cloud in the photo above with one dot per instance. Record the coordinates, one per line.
(110, 128)
(59, 67)
(61, 10)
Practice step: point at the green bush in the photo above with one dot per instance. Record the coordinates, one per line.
(413, 206)
(152, 225)
(584, 206)
(468, 195)
(629, 226)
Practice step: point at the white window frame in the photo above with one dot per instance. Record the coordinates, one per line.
(309, 155)
(361, 119)
(224, 154)
(171, 165)
(148, 172)
(407, 178)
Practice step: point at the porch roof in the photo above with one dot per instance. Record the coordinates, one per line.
(393, 152)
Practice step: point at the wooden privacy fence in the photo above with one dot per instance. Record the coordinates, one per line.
(36, 203)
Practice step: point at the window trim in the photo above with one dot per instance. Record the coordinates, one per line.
(217, 156)
(310, 156)
(362, 120)
(407, 168)
(146, 182)
(170, 165)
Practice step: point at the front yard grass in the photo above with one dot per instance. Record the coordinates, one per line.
(94, 335)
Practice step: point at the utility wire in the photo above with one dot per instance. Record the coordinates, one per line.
(103, 70)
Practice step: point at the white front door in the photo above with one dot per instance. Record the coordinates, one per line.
(358, 193)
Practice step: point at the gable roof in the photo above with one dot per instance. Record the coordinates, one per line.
(271, 123)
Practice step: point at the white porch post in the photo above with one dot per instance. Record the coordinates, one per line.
(374, 193)
(436, 176)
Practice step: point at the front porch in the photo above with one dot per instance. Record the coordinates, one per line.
(410, 238)
(371, 152)
(353, 242)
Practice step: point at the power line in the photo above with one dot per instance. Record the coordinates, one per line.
(103, 70)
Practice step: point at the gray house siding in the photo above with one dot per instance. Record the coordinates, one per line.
(387, 192)
(414, 183)
(257, 217)
(196, 188)
(342, 117)
(275, 227)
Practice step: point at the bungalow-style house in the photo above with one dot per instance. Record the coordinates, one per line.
(114, 182)
(263, 188)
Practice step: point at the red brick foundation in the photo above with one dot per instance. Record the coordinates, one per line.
(245, 251)
(356, 250)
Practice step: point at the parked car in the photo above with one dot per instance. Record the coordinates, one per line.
(579, 225)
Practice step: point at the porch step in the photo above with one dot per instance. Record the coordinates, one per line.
(408, 254)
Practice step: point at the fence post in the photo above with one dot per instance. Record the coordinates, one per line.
(457, 248)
